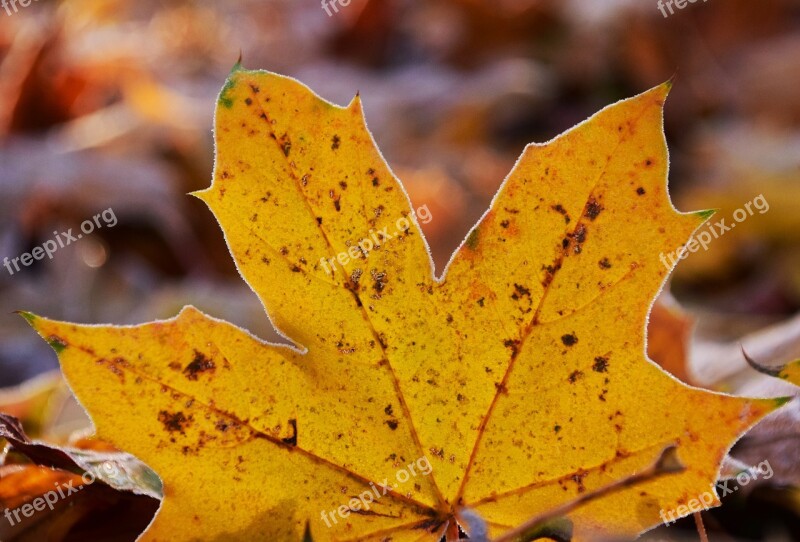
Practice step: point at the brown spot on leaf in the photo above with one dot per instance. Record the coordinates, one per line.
(379, 281)
(560, 209)
(286, 145)
(600, 364)
(578, 479)
(116, 366)
(579, 236)
(574, 376)
(222, 425)
(291, 440)
(200, 364)
(335, 197)
(520, 291)
(569, 339)
(174, 422)
(593, 209)
(513, 345)
(355, 276)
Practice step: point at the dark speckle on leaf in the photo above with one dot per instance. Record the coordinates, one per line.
(520, 291)
(560, 210)
(574, 376)
(569, 339)
(379, 281)
(286, 145)
(593, 209)
(174, 422)
(200, 364)
(472, 239)
(600, 364)
(222, 425)
(292, 440)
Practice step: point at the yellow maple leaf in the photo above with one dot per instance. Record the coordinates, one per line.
(791, 373)
(509, 386)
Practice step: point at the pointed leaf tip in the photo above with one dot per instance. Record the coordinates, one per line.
(780, 401)
(29, 316)
(238, 66)
(707, 213)
(758, 367)
(199, 194)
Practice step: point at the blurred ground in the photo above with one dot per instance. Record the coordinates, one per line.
(108, 104)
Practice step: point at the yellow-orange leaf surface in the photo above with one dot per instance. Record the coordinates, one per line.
(791, 373)
(519, 377)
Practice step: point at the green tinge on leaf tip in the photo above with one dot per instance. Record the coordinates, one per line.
(780, 401)
(706, 214)
(29, 316)
(224, 99)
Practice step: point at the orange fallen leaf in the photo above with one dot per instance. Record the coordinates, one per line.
(669, 334)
